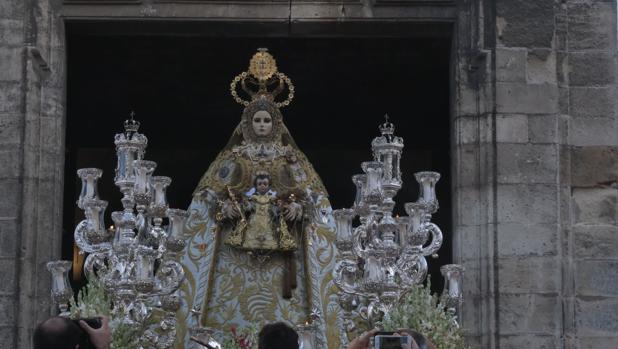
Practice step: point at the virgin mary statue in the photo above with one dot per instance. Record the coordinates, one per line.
(261, 234)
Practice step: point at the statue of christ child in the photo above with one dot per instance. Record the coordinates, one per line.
(265, 230)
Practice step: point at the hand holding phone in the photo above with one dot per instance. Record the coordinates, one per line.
(391, 340)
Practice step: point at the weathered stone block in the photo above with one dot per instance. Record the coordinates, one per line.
(593, 102)
(472, 340)
(562, 67)
(527, 203)
(594, 166)
(596, 278)
(466, 166)
(511, 64)
(523, 23)
(595, 241)
(524, 240)
(10, 97)
(527, 163)
(512, 128)
(8, 286)
(11, 163)
(597, 342)
(13, 9)
(8, 310)
(596, 316)
(529, 313)
(518, 98)
(468, 241)
(10, 63)
(7, 336)
(49, 167)
(592, 68)
(10, 129)
(605, 131)
(8, 238)
(53, 102)
(467, 130)
(543, 128)
(590, 25)
(56, 77)
(595, 205)
(11, 32)
(469, 206)
(529, 274)
(10, 203)
(529, 341)
(541, 67)
(467, 101)
(470, 315)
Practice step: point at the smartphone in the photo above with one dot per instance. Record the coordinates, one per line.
(84, 338)
(387, 340)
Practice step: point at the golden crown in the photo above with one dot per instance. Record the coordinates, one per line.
(262, 81)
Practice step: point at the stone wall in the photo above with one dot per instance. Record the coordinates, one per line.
(589, 96)
(535, 149)
(31, 171)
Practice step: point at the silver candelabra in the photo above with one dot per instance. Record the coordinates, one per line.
(384, 256)
(137, 261)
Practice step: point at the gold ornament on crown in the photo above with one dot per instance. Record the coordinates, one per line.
(263, 75)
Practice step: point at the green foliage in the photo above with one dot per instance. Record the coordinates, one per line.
(421, 311)
(246, 338)
(93, 301)
(124, 337)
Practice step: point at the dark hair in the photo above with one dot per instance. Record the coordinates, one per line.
(277, 336)
(57, 333)
(261, 176)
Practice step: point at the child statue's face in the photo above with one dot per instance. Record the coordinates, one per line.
(262, 185)
(262, 123)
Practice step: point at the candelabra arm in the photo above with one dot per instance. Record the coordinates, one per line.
(412, 269)
(81, 240)
(171, 275)
(360, 233)
(436, 239)
(95, 266)
(345, 271)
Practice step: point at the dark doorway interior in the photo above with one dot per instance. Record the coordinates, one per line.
(178, 86)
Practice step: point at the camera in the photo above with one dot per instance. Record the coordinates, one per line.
(84, 338)
(387, 340)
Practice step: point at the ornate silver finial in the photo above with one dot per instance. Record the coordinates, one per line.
(131, 125)
(387, 128)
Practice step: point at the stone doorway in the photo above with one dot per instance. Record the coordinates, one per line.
(177, 82)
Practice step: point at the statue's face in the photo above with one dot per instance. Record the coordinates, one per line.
(262, 123)
(262, 185)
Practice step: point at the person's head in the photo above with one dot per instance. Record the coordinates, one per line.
(58, 333)
(262, 123)
(262, 183)
(277, 336)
